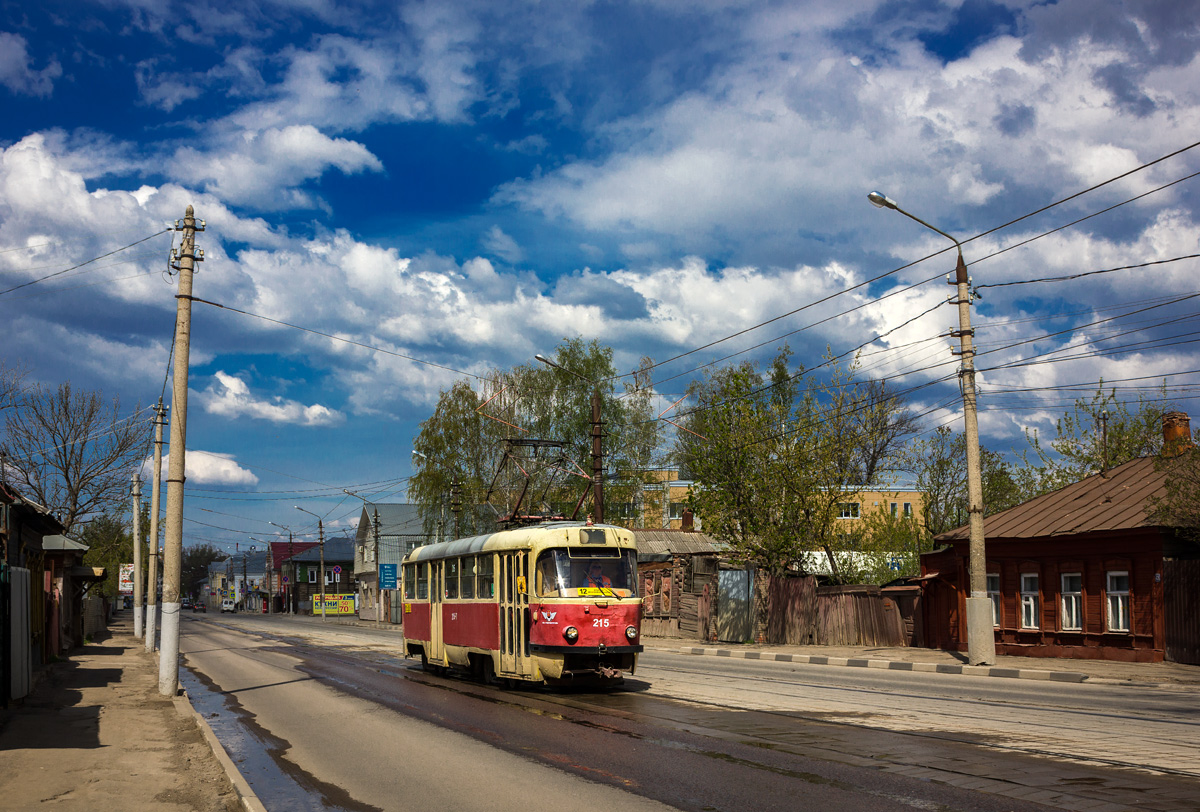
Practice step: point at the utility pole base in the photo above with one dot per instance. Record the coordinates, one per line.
(981, 635)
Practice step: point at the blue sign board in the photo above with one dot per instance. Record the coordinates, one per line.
(387, 576)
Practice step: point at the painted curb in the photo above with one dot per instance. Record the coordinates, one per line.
(241, 786)
(894, 665)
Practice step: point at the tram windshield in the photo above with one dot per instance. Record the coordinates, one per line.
(574, 572)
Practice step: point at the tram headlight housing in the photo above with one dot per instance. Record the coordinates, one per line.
(571, 633)
(631, 632)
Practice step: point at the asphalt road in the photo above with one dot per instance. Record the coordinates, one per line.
(350, 724)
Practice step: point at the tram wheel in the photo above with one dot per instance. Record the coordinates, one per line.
(487, 672)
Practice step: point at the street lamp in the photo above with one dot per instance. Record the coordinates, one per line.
(981, 637)
(597, 452)
(375, 534)
(321, 541)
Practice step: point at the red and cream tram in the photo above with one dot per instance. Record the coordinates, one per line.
(549, 603)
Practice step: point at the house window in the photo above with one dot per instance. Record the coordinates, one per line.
(908, 510)
(1118, 601)
(1029, 601)
(848, 510)
(677, 510)
(312, 575)
(1072, 602)
(993, 592)
(894, 508)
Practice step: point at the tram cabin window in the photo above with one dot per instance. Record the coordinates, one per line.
(410, 582)
(422, 582)
(451, 570)
(576, 572)
(468, 578)
(484, 579)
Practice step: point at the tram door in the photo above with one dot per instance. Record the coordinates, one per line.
(436, 592)
(514, 609)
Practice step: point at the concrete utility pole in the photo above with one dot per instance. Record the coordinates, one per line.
(981, 635)
(321, 542)
(136, 493)
(160, 420)
(378, 591)
(188, 255)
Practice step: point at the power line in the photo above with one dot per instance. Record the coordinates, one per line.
(87, 262)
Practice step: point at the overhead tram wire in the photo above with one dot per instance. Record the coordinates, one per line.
(990, 231)
(87, 262)
(370, 347)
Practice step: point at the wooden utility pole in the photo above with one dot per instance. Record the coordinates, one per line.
(160, 420)
(187, 255)
(136, 493)
(378, 564)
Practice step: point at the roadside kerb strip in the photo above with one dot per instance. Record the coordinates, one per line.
(241, 786)
(893, 665)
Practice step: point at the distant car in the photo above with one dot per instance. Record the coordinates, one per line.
(199, 606)
(185, 604)
(228, 605)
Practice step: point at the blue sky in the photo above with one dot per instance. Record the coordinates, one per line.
(467, 183)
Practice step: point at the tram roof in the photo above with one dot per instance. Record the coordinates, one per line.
(542, 533)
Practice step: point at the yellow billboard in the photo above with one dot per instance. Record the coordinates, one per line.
(334, 604)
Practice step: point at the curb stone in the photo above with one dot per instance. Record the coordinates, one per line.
(241, 786)
(892, 665)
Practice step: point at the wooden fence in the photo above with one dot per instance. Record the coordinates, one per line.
(1181, 610)
(801, 613)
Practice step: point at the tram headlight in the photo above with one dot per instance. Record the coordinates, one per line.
(631, 632)
(571, 633)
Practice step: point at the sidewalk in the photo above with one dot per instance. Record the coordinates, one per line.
(947, 662)
(95, 734)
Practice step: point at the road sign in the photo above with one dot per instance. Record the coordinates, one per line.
(337, 569)
(387, 576)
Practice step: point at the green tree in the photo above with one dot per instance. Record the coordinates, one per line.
(939, 466)
(110, 544)
(1081, 447)
(464, 440)
(775, 458)
(885, 547)
(194, 567)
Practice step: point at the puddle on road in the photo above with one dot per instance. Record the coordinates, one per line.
(279, 784)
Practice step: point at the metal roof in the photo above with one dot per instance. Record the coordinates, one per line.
(63, 543)
(395, 519)
(337, 551)
(675, 542)
(1115, 500)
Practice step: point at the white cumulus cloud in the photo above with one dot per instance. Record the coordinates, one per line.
(230, 396)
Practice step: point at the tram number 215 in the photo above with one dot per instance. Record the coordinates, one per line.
(600, 622)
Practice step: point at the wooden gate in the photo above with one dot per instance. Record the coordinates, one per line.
(735, 617)
(1181, 610)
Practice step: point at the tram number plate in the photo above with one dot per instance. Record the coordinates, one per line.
(600, 622)
(454, 615)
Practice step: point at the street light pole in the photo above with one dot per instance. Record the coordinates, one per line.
(981, 637)
(321, 541)
(597, 450)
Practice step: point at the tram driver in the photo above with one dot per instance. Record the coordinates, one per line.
(596, 578)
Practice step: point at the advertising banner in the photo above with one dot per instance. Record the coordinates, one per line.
(125, 579)
(334, 604)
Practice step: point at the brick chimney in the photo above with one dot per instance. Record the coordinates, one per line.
(1177, 433)
(689, 521)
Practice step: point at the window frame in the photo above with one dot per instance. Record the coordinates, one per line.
(1031, 603)
(1123, 603)
(994, 597)
(849, 510)
(1070, 603)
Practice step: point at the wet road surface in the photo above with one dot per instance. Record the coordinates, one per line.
(696, 753)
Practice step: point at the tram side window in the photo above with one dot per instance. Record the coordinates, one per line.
(422, 582)
(468, 577)
(452, 568)
(410, 582)
(485, 579)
